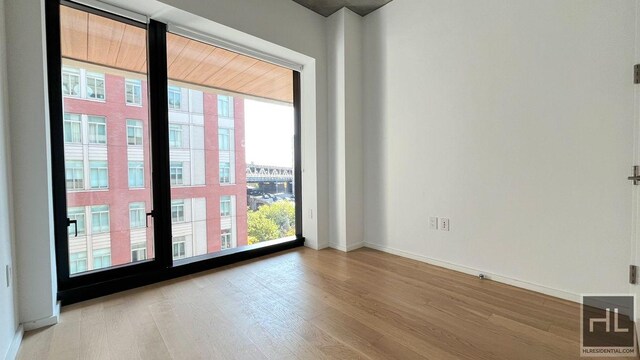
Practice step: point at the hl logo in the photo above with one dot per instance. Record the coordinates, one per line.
(607, 321)
(607, 326)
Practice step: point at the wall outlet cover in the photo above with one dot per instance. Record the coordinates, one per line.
(444, 224)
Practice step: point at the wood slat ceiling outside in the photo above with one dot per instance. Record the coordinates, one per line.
(98, 40)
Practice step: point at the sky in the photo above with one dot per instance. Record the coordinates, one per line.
(268, 133)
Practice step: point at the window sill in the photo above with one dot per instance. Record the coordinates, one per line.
(95, 100)
(86, 190)
(237, 250)
(85, 98)
(180, 268)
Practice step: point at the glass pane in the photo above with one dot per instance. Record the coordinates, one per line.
(133, 92)
(106, 131)
(231, 132)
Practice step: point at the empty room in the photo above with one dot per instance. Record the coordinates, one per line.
(319, 179)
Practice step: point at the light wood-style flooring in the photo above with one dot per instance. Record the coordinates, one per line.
(307, 304)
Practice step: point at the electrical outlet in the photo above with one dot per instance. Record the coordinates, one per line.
(8, 272)
(433, 223)
(444, 224)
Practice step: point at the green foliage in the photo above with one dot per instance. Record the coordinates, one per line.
(272, 221)
(261, 228)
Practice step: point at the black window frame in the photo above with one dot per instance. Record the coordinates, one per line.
(92, 284)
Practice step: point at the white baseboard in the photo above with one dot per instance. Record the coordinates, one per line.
(346, 248)
(355, 246)
(47, 321)
(318, 246)
(12, 353)
(475, 272)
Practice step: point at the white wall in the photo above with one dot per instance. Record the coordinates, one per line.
(336, 115)
(515, 120)
(353, 128)
(8, 295)
(344, 53)
(30, 158)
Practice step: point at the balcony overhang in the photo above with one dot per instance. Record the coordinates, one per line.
(97, 40)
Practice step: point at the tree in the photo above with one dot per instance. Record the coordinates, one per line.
(272, 221)
(283, 213)
(261, 228)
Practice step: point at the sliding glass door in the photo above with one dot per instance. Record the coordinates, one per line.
(171, 154)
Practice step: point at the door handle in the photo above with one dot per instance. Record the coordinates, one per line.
(146, 219)
(75, 225)
(636, 175)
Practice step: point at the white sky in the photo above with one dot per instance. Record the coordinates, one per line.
(268, 133)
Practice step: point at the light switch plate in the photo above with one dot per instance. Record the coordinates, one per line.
(433, 223)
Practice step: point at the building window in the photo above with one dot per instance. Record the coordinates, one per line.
(77, 214)
(225, 239)
(137, 215)
(134, 132)
(101, 258)
(99, 172)
(97, 130)
(100, 219)
(74, 174)
(78, 262)
(71, 83)
(136, 174)
(175, 171)
(225, 173)
(225, 206)
(133, 92)
(175, 136)
(177, 211)
(72, 129)
(138, 252)
(175, 97)
(179, 247)
(224, 139)
(95, 86)
(225, 106)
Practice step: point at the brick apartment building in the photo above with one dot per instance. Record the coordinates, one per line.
(107, 160)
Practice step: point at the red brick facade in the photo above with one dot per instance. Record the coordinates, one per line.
(118, 195)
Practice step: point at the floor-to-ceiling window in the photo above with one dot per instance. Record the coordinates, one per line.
(231, 139)
(106, 144)
(169, 151)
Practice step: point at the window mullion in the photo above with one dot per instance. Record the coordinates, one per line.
(159, 122)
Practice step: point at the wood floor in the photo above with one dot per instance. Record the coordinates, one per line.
(306, 304)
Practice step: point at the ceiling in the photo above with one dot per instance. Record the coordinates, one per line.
(328, 7)
(100, 41)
